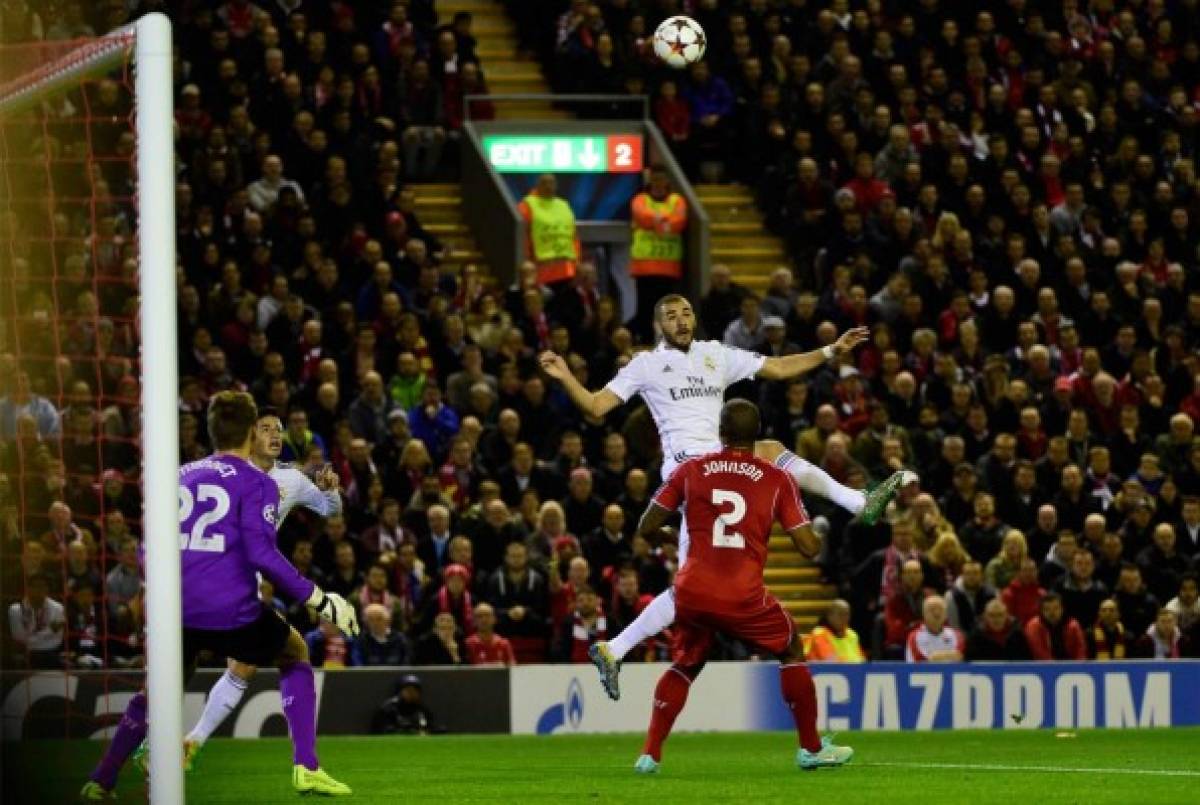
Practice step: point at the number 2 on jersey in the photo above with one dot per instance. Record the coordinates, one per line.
(721, 537)
(198, 539)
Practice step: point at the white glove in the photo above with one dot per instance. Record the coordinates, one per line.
(332, 607)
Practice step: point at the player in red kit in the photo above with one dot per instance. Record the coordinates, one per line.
(732, 499)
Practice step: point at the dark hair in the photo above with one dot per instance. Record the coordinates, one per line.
(231, 416)
(269, 410)
(669, 299)
(740, 423)
(1048, 598)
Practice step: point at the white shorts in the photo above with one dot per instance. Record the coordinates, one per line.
(670, 464)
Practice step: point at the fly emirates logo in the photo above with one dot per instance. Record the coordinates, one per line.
(698, 387)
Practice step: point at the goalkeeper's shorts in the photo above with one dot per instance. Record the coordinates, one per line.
(257, 643)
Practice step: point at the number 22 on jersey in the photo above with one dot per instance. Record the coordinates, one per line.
(199, 538)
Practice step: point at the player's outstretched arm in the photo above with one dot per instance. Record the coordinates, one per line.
(595, 404)
(806, 541)
(653, 520)
(785, 367)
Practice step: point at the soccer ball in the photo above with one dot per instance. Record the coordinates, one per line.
(679, 41)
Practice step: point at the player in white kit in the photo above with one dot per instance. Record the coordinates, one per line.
(683, 382)
(295, 489)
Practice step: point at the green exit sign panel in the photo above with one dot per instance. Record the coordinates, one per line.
(614, 153)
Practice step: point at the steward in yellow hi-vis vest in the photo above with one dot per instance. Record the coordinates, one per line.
(834, 640)
(551, 241)
(659, 217)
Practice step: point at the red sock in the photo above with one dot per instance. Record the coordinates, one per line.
(800, 693)
(670, 695)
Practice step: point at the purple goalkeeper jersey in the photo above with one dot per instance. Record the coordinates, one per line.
(227, 513)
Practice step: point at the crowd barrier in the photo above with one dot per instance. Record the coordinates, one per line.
(559, 699)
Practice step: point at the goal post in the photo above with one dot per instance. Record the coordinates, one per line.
(149, 42)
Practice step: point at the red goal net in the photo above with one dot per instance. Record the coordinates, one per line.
(70, 501)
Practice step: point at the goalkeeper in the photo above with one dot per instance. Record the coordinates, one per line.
(295, 489)
(227, 523)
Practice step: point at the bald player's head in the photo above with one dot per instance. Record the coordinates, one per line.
(739, 423)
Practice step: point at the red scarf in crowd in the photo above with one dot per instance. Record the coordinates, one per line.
(462, 609)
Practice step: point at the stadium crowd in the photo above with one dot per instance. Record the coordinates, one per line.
(1004, 192)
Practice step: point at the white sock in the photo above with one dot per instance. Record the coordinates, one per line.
(812, 478)
(223, 699)
(658, 615)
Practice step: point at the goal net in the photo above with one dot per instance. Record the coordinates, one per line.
(88, 391)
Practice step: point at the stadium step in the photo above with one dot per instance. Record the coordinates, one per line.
(742, 253)
(504, 68)
(439, 206)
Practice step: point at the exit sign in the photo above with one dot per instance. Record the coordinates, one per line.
(614, 153)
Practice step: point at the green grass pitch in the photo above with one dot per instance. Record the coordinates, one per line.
(1143, 766)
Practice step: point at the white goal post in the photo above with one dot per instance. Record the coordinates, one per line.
(149, 38)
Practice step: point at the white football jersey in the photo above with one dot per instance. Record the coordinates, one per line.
(295, 489)
(923, 644)
(685, 392)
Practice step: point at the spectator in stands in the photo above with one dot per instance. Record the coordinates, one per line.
(452, 597)
(1107, 639)
(518, 594)
(1023, 595)
(36, 624)
(262, 194)
(1187, 528)
(983, 535)
(722, 302)
(369, 411)
(997, 637)
(832, 639)
(584, 511)
(1138, 606)
(441, 645)
(1162, 639)
(485, 647)
(344, 577)
(124, 582)
(1186, 605)
(659, 217)
(1059, 560)
(580, 628)
(626, 603)
(1053, 635)
(84, 628)
(379, 644)
(934, 640)
(328, 648)
(551, 240)
(1005, 566)
(375, 591)
(746, 332)
(1081, 592)
(904, 608)
(967, 597)
(1161, 565)
(22, 401)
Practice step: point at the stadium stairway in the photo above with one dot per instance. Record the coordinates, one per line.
(740, 240)
(796, 582)
(439, 207)
(505, 68)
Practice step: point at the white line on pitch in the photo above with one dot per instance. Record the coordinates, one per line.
(1045, 769)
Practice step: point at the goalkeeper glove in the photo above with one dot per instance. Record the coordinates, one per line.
(335, 609)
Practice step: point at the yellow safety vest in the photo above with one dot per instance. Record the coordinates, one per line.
(655, 253)
(551, 228)
(846, 647)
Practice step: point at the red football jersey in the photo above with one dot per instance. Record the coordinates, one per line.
(732, 500)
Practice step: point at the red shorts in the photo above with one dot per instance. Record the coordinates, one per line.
(766, 626)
